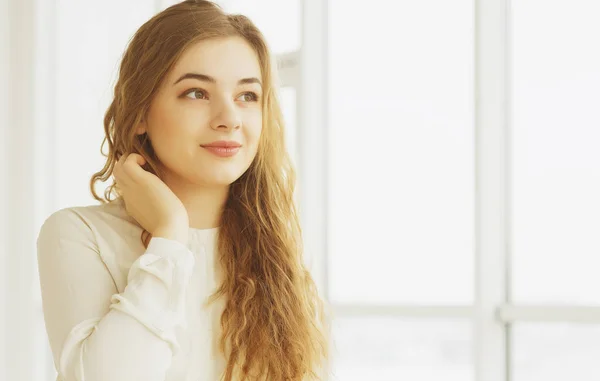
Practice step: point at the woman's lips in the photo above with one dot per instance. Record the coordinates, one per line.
(223, 151)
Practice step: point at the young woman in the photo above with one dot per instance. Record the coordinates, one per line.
(194, 271)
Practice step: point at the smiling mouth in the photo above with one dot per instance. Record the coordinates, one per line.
(222, 151)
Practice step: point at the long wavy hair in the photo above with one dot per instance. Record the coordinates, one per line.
(274, 325)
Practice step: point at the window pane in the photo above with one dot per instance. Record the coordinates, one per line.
(555, 352)
(556, 169)
(278, 20)
(387, 349)
(401, 155)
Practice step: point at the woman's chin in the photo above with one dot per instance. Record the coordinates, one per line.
(221, 180)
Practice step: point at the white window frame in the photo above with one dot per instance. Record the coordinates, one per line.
(492, 313)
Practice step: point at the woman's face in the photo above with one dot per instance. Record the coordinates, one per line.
(212, 94)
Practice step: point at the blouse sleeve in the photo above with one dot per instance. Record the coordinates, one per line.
(96, 333)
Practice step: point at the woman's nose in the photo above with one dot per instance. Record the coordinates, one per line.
(227, 116)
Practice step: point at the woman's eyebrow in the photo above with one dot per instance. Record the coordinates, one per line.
(207, 78)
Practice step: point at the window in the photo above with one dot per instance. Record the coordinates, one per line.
(555, 93)
(556, 160)
(389, 349)
(401, 185)
(553, 352)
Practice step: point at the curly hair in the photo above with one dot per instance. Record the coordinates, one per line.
(274, 325)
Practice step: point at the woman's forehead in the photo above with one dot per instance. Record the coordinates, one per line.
(225, 60)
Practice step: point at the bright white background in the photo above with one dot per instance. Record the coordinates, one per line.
(448, 160)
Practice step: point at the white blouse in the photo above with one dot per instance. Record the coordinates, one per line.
(117, 311)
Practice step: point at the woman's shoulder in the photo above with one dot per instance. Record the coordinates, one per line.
(96, 221)
(87, 232)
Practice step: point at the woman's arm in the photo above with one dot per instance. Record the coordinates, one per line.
(94, 331)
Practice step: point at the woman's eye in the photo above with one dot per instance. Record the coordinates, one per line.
(249, 97)
(196, 94)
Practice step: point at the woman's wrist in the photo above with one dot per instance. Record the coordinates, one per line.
(174, 233)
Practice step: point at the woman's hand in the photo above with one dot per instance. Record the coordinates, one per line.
(149, 200)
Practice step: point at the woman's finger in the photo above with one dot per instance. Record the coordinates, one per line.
(139, 159)
(133, 166)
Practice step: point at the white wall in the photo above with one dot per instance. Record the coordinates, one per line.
(3, 175)
(19, 239)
